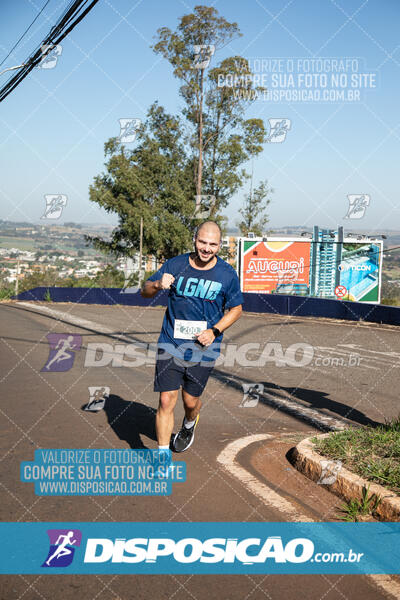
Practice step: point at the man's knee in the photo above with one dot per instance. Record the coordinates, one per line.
(168, 400)
(190, 401)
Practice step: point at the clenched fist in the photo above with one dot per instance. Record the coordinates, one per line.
(205, 337)
(166, 281)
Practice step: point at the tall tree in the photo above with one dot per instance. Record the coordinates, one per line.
(219, 137)
(253, 210)
(151, 181)
(177, 158)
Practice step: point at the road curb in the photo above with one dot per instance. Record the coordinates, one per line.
(347, 485)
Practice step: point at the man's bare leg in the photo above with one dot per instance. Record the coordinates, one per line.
(185, 436)
(192, 405)
(165, 417)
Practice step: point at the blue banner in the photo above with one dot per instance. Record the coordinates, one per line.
(261, 303)
(102, 472)
(207, 548)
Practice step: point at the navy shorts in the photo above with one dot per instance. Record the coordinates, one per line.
(172, 373)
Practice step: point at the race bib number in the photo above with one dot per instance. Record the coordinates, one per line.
(186, 330)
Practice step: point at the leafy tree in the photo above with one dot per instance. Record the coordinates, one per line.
(253, 210)
(6, 287)
(220, 139)
(390, 293)
(201, 152)
(153, 182)
(48, 277)
(110, 277)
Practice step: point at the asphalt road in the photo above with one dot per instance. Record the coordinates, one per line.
(338, 373)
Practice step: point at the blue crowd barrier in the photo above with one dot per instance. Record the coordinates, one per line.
(93, 296)
(301, 306)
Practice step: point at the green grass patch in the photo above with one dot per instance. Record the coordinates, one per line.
(6, 293)
(356, 510)
(371, 452)
(47, 296)
(391, 301)
(17, 242)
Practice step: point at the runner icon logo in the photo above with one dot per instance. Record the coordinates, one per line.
(97, 398)
(62, 547)
(251, 394)
(128, 130)
(358, 204)
(62, 351)
(202, 55)
(278, 130)
(204, 204)
(50, 55)
(55, 204)
(329, 471)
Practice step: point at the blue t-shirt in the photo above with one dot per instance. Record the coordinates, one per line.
(196, 295)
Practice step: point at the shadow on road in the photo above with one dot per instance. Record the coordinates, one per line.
(308, 397)
(130, 420)
(134, 419)
(321, 400)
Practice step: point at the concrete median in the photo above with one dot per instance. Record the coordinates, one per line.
(347, 485)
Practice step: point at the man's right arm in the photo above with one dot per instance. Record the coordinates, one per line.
(150, 288)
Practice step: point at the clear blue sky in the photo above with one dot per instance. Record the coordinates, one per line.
(54, 125)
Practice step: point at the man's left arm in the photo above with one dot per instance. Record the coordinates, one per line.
(207, 337)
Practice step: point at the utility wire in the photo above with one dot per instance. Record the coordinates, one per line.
(57, 33)
(25, 32)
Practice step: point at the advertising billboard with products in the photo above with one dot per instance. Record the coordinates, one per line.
(274, 266)
(360, 271)
(324, 266)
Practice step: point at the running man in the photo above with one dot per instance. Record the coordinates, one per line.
(63, 346)
(201, 286)
(62, 549)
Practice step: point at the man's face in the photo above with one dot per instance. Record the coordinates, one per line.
(207, 244)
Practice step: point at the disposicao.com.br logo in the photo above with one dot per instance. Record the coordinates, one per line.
(191, 550)
(248, 551)
(200, 548)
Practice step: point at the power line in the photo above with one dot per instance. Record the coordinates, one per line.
(25, 32)
(63, 27)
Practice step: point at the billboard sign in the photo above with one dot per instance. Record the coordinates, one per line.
(278, 266)
(360, 271)
(317, 267)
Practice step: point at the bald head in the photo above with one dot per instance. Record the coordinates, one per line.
(207, 242)
(209, 227)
